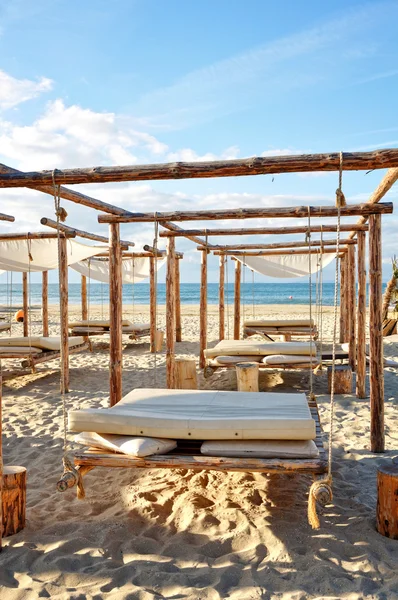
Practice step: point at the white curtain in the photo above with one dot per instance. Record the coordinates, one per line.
(134, 270)
(41, 255)
(289, 265)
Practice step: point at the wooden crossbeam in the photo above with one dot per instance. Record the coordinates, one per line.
(303, 244)
(188, 233)
(9, 218)
(275, 252)
(38, 235)
(80, 233)
(177, 230)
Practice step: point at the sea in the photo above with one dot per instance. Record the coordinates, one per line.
(259, 293)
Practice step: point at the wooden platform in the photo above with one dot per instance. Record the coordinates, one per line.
(31, 359)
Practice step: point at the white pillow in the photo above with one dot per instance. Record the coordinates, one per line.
(125, 444)
(261, 448)
(289, 359)
(234, 360)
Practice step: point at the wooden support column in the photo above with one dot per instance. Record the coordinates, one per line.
(221, 302)
(203, 310)
(84, 298)
(1, 461)
(63, 305)
(238, 272)
(343, 298)
(170, 313)
(376, 373)
(44, 302)
(351, 307)
(152, 302)
(115, 315)
(361, 318)
(178, 301)
(25, 304)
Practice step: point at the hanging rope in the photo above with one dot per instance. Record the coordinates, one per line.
(321, 490)
(243, 286)
(253, 305)
(308, 238)
(226, 277)
(28, 316)
(155, 283)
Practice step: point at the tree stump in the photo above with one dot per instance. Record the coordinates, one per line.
(387, 501)
(159, 335)
(185, 374)
(342, 379)
(247, 377)
(13, 499)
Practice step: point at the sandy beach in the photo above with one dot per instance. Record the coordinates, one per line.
(181, 534)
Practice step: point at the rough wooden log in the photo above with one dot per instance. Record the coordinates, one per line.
(203, 310)
(73, 232)
(186, 377)
(44, 302)
(343, 300)
(115, 315)
(387, 501)
(64, 308)
(25, 304)
(290, 212)
(178, 301)
(286, 252)
(152, 302)
(302, 244)
(342, 379)
(376, 362)
(189, 233)
(173, 228)
(361, 318)
(159, 336)
(1, 461)
(39, 235)
(221, 302)
(84, 298)
(304, 163)
(13, 500)
(170, 313)
(247, 377)
(352, 307)
(9, 218)
(238, 275)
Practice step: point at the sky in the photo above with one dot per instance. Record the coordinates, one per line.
(94, 83)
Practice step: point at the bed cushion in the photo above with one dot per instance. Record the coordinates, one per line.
(201, 415)
(136, 327)
(5, 326)
(261, 448)
(96, 323)
(19, 350)
(133, 446)
(289, 359)
(234, 360)
(278, 323)
(84, 330)
(45, 343)
(250, 348)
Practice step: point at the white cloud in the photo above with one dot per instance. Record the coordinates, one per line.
(281, 152)
(189, 155)
(15, 91)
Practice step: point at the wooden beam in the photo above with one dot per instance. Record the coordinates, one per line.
(73, 232)
(178, 230)
(1, 461)
(44, 302)
(290, 212)
(152, 302)
(376, 374)
(178, 301)
(203, 310)
(115, 315)
(351, 307)
(343, 299)
(170, 314)
(25, 304)
(11, 219)
(63, 305)
(238, 273)
(221, 302)
(288, 251)
(38, 235)
(303, 244)
(304, 163)
(261, 230)
(361, 318)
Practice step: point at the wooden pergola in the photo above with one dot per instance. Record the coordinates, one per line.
(372, 211)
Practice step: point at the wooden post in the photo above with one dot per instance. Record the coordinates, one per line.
(115, 315)
(361, 318)
(387, 501)
(185, 374)
(238, 271)
(25, 304)
(343, 303)
(84, 298)
(13, 500)
(203, 310)
(376, 372)
(158, 342)
(170, 313)
(178, 301)
(342, 379)
(247, 377)
(152, 302)
(221, 304)
(63, 305)
(351, 307)
(44, 302)
(1, 461)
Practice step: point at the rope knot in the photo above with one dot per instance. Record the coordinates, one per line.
(340, 198)
(69, 467)
(320, 491)
(61, 213)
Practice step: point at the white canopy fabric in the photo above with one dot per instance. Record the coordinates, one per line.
(286, 266)
(41, 255)
(134, 270)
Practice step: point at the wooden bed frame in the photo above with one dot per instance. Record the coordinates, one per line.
(286, 333)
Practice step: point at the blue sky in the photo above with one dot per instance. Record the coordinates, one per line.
(126, 82)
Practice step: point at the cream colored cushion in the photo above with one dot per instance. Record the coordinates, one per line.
(279, 323)
(201, 414)
(289, 359)
(45, 343)
(5, 326)
(136, 327)
(84, 330)
(19, 350)
(234, 360)
(261, 448)
(96, 323)
(250, 348)
(134, 446)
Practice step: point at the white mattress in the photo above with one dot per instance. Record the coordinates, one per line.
(5, 326)
(201, 415)
(136, 327)
(23, 350)
(279, 323)
(45, 343)
(248, 348)
(261, 448)
(96, 323)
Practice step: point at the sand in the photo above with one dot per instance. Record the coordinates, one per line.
(180, 534)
